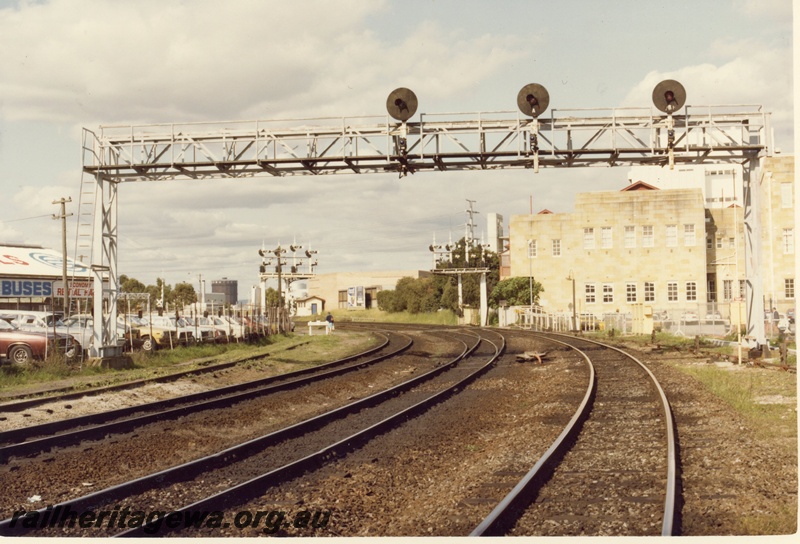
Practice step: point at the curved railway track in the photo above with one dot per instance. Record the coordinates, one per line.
(612, 470)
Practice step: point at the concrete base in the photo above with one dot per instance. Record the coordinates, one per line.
(118, 362)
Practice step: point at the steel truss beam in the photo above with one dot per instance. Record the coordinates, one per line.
(482, 141)
(438, 142)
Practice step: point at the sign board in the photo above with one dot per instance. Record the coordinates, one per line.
(355, 297)
(77, 289)
(25, 288)
(31, 261)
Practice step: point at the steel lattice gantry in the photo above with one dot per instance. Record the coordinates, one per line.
(437, 142)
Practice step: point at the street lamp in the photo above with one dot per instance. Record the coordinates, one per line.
(530, 271)
(571, 278)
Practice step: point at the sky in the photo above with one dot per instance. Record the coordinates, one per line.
(73, 64)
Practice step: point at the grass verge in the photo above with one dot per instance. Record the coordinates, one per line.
(282, 348)
(444, 317)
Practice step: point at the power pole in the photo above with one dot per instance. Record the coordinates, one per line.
(63, 216)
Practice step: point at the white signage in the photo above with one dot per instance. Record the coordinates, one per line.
(77, 289)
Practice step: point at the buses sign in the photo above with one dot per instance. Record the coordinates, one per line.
(25, 288)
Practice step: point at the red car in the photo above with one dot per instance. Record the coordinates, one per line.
(21, 347)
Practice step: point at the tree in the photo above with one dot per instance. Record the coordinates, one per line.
(516, 292)
(272, 298)
(466, 258)
(183, 294)
(131, 285)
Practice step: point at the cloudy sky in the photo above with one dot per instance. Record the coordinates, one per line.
(69, 64)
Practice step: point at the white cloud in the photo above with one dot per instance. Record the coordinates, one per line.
(751, 74)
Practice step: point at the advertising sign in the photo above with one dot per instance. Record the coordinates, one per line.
(77, 289)
(25, 288)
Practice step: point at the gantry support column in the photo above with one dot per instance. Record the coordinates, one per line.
(104, 270)
(754, 290)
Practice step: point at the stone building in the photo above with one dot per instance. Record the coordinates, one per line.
(674, 249)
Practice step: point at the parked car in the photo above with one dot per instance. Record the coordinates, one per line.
(790, 315)
(161, 331)
(83, 324)
(21, 347)
(37, 321)
(232, 326)
(689, 316)
(204, 330)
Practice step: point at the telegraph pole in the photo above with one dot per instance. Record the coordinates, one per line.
(63, 216)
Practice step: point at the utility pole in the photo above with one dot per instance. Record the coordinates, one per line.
(469, 235)
(63, 216)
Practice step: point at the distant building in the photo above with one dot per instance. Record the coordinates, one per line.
(229, 288)
(356, 290)
(495, 235)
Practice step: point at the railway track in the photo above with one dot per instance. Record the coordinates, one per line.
(34, 439)
(372, 415)
(610, 471)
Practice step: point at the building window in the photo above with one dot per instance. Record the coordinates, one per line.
(647, 236)
(732, 243)
(709, 243)
(711, 288)
(630, 292)
(672, 291)
(786, 195)
(719, 243)
(608, 292)
(788, 287)
(630, 236)
(788, 241)
(742, 290)
(689, 238)
(672, 235)
(649, 291)
(590, 293)
(588, 238)
(727, 290)
(556, 248)
(606, 238)
(691, 290)
(531, 249)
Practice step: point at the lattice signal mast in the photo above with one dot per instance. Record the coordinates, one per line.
(567, 138)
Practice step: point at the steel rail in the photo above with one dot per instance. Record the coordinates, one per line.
(69, 392)
(671, 492)
(67, 432)
(505, 513)
(190, 469)
(255, 487)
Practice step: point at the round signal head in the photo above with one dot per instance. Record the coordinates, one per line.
(533, 99)
(402, 104)
(669, 96)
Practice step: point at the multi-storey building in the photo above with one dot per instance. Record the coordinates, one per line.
(674, 249)
(228, 288)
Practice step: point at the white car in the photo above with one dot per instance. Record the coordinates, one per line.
(184, 334)
(205, 330)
